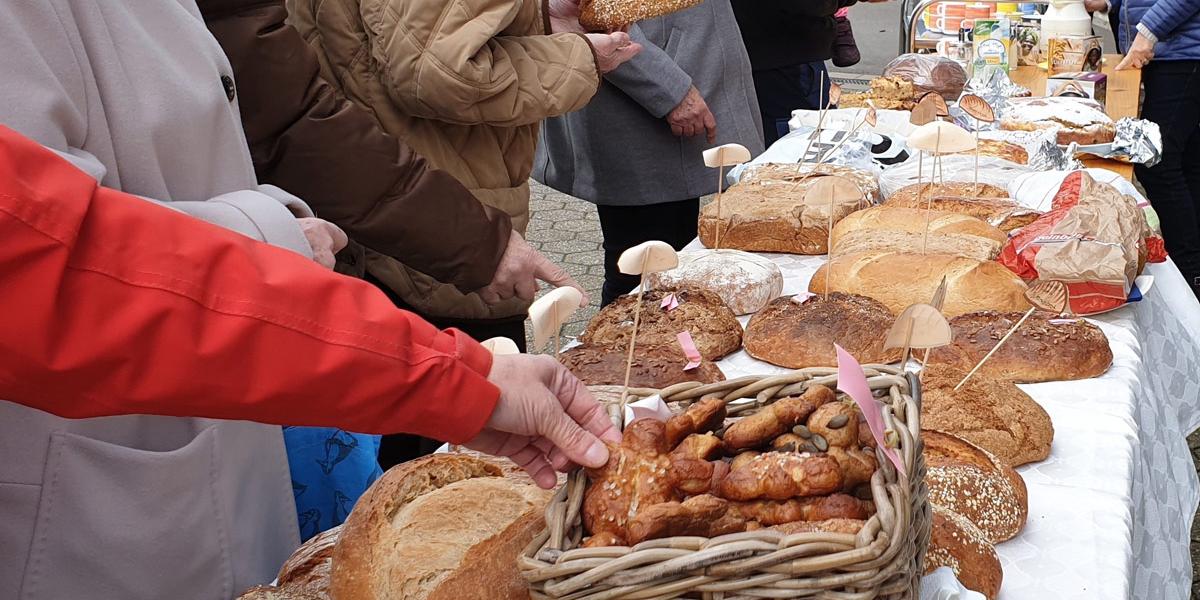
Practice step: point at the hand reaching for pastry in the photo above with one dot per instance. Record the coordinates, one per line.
(520, 268)
(692, 117)
(325, 239)
(545, 419)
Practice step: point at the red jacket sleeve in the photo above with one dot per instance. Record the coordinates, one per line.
(115, 305)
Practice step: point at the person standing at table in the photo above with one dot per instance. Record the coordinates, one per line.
(1162, 37)
(636, 150)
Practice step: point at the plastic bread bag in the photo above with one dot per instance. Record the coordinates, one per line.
(1090, 246)
(929, 73)
(952, 167)
(1037, 191)
(799, 146)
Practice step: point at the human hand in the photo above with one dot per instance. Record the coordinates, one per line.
(545, 419)
(613, 49)
(692, 117)
(564, 16)
(519, 270)
(325, 239)
(1141, 51)
(1095, 6)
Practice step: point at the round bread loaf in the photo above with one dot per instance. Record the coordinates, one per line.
(899, 229)
(653, 367)
(306, 571)
(438, 528)
(1045, 348)
(744, 281)
(993, 414)
(714, 328)
(899, 280)
(959, 545)
(975, 484)
(769, 212)
(796, 334)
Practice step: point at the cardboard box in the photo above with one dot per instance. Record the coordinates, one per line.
(1080, 85)
(1072, 54)
(993, 43)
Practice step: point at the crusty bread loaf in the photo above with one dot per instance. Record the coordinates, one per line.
(270, 592)
(899, 280)
(767, 211)
(907, 195)
(975, 484)
(744, 281)
(993, 414)
(956, 543)
(899, 229)
(1002, 149)
(1078, 120)
(1045, 348)
(438, 528)
(989, 203)
(654, 367)
(307, 570)
(613, 15)
(796, 335)
(713, 327)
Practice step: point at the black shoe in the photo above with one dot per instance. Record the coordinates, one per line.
(845, 51)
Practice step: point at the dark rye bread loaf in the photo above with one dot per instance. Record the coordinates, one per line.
(993, 414)
(713, 327)
(975, 484)
(654, 367)
(796, 335)
(1045, 348)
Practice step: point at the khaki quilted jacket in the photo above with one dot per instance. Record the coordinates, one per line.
(465, 83)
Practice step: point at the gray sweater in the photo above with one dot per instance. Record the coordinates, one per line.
(619, 150)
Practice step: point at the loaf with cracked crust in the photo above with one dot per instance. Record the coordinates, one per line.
(713, 327)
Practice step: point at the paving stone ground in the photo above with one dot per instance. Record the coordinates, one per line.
(567, 231)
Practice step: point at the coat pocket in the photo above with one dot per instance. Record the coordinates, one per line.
(118, 523)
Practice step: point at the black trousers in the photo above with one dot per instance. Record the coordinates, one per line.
(627, 226)
(398, 448)
(782, 90)
(1173, 185)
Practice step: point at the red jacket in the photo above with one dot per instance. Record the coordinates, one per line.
(101, 317)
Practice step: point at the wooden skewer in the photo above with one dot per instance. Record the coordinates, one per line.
(637, 317)
(820, 119)
(829, 243)
(720, 181)
(929, 203)
(996, 347)
(975, 186)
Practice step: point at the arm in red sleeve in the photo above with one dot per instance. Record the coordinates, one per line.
(114, 305)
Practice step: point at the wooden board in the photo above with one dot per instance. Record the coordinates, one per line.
(1124, 92)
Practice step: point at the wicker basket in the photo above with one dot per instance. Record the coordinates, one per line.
(882, 561)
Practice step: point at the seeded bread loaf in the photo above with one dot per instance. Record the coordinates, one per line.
(438, 528)
(974, 483)
(798, 334)
(713, 327)
(899, 280)
(898, 229)
(611, 15)
(654, 367)
(993, 414)
(1045, 348)
(956, 543)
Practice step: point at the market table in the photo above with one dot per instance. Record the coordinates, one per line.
(1122, 99)
(1110, 510)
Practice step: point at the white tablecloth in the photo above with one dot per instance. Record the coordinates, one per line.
(1110, 511)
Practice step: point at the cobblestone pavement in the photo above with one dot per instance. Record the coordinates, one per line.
(567, 231)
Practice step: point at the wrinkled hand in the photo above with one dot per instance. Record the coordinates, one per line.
(325, 239)
(1095, 6)
(564, 16)
(692, 117)
(546, 420)
(613, 49)
(1139, 55)
(519, 270)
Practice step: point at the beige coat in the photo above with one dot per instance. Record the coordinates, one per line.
(139, 507)
(465, 83)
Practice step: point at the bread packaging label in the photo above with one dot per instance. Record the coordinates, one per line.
(1074, 53)
(993, 41)
(1079, 85)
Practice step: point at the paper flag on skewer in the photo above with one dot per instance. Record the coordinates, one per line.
(500, 346)
(689, 350)
(919, 326)
(728, 155)
(549, 312)
(977, 108)
(853, 382)
(941, 137)
(648, 257)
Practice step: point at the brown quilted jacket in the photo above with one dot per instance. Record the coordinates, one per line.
(465, 83)
(305, 137)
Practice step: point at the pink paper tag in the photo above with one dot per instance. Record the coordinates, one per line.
(670, 302)
(853, 382)
(689, 350)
